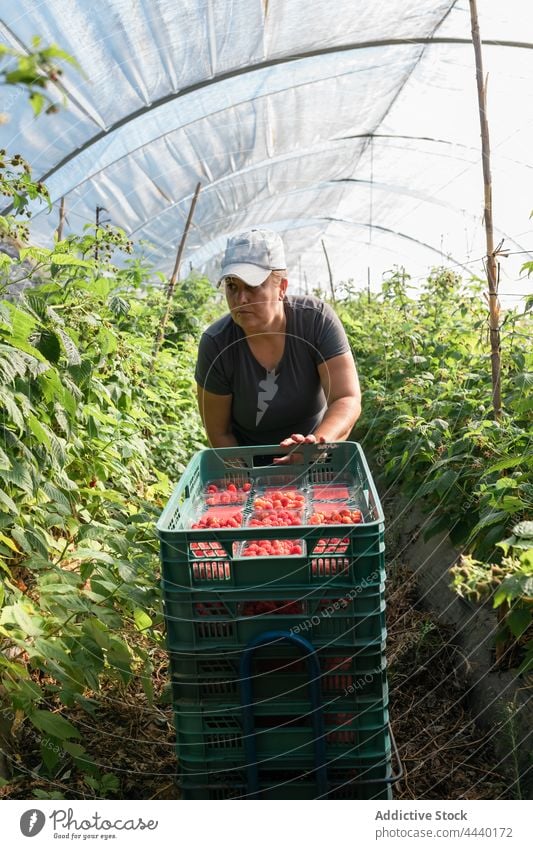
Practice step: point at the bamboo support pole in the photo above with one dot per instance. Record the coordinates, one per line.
(61, 222)
(492, 266)
(329, 271)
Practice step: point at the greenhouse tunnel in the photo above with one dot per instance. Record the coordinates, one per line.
(357, 128)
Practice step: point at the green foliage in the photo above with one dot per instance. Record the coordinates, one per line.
(428, 420)
(509, 585)
(92, 442)
(16, 183)
(34, 71)
(427, 403)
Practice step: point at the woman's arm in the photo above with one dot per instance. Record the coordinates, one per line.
(340, 383)
(215, 412)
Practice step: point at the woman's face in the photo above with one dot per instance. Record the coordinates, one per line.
(255, 308)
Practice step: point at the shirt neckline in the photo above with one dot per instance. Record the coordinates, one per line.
(276, 370)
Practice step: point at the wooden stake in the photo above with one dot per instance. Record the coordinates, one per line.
(59, 230)
(99, 209)
(172, 282)
(329, 272)
(492, 267)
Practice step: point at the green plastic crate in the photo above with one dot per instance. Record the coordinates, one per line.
(349, 676)
(357, 554)
(226, 621)
(362, 560)
(284, 734)
(356, 780)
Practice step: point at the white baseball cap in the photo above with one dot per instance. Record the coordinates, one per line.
(252, 255)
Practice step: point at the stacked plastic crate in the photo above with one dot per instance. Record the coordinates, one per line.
(273, 584)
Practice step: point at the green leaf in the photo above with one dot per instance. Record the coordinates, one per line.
(19, 476)
(524, 380)
(74, 749)
(61, 418)
(9, 542)
(92, 427)
(446, 481)
(507, 463)
(26, 620)
(24, 694)
(51, 386)
(108, 342)
(53, 724)
(527, 559)
(118, 305)
(98, 632)
(52, 649)
(93, 554)
(81, 373)
(37, 102)
(44, 794)
(489, 519)
(50, 754)
(513, 586)
(57, 496)
(519, 619)
(118, 656)
(506, 483)
(38, 430)
(23, 323)
(524, 530)
(73, 355)
(49, 345)
(104, 494)
(527, 586)
(32, 540)
(512, 504)
(70, 259)
(31, 351)
(8, 502)
(5, 462)
(428, 487)
(142, 620)
(11, 408)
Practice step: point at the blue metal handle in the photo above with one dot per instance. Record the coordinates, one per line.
(313, 668)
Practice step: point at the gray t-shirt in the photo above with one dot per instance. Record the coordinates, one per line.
(268, 406)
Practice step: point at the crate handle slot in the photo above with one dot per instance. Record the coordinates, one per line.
(313, 668)
(265, 461)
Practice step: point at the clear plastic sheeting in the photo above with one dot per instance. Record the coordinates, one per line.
(351, 123)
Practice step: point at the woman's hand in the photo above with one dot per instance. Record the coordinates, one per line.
(297, 439)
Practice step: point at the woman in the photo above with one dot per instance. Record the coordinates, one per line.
(277, 369)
